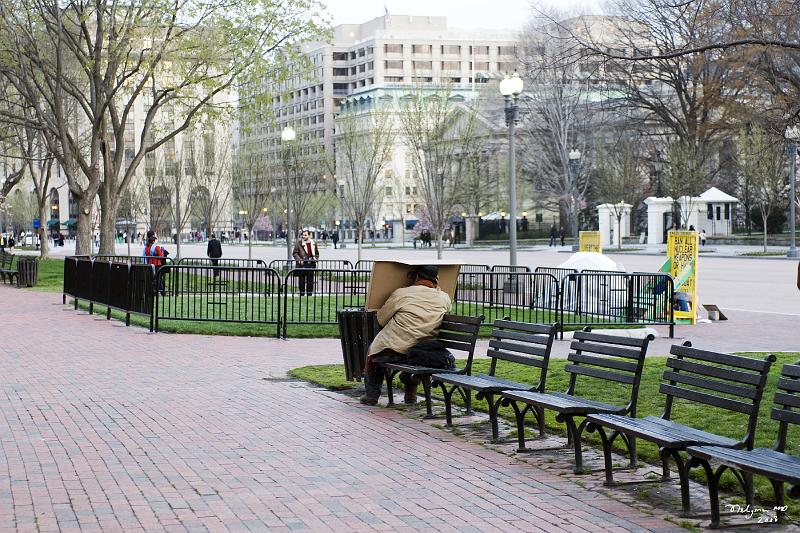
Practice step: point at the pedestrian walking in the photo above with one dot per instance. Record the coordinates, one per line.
(214, 252)
(553, 235)
(335, 238)
(563, 234)
(703, 238)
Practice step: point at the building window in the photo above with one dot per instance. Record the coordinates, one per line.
(421, 48)
(393, 79)
(423, 65)
(422, 79)
(481, 65)
(388, 192)
(393, 65)
(393, 48)
(340, 72)
(408, 191)
(451, 65)
(479, 50)
(451, 49)
(507, 50)
(340, 56)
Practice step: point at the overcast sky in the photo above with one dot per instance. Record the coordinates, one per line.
(510, 14)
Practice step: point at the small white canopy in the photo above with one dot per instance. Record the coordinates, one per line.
(591, 261)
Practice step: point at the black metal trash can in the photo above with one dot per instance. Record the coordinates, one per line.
(27, 271)
(357, 328)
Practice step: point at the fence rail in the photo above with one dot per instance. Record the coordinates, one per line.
(617, 298)
(218, 294)
(245, 291)
(222, 262)
(285, 265)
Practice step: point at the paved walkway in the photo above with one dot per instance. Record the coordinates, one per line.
(109, 428)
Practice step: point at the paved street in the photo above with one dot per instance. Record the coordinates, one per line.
(763, 285)
(110, 428)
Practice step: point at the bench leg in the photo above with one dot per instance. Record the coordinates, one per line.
(683, 475)
(389, 376)
(520, 416)
(468, 402)
(426, 386)
(749, 490)
(713, 487)
(575, 431)
(777, 487)
(448, 404)
(630, 443)
(492, 404)
(609, 467)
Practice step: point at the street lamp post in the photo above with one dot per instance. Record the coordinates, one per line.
(511, 88)
(792, 135)
(574, 165)
(288, 136)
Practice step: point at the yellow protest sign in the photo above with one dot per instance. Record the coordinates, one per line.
(590, 241)
(682, 249)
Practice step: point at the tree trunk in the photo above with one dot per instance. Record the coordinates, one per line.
(440, 245)
(42, 231)
(108, 226)
(619, 232)
(83, 229)
(178, 219)
(360, 231)
(764, 221)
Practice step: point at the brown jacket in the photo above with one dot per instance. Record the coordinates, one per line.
(410, 315)
(300, 253)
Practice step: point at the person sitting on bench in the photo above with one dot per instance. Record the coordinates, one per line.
(410, 315)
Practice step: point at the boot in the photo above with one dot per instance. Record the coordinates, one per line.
(410, 397)
(372, 388)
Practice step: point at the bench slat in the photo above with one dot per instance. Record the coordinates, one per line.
(714, 371)
(708, 399)
(517, 347)
(761, 461)
(718, 386)
(460, 346)
(790, 400)
(784, 415)
(605, 362)
(451, 336)
(536, 329)
(531, 338)
(606, 349)
(601, 374)
(613, 339)
(514, 358)
(792, 385)
(791, 371)
(737, 361)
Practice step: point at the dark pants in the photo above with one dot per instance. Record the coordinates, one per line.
(373, 381)
(305, 277)
(215, 262)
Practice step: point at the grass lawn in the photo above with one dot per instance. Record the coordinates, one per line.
(650, 403)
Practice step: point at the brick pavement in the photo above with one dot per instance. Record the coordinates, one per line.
(110, 428)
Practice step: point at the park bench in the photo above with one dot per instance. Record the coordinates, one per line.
(457, 333)
(8, 268)
(524, 345)
(698, 377)
(598, 358)
(774, 464)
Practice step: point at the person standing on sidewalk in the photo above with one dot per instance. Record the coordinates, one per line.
(306, 255)
(411, 314)
(214, 252)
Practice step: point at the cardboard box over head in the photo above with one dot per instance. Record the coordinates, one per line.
(390, 275)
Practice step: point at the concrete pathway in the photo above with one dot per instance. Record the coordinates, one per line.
(108, 428)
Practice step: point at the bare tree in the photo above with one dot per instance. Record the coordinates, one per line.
(685, 177)
(435, 127)
(619, 178)
(252, 187)
(88, 63)
(210, 164)
(761, 165)
(363, 144)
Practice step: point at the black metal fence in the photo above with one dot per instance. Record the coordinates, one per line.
(218, 294)
(126, 286)
(331, 290)
(222, 262)
(617, 298)
(523, 296)
(244, 291)
(285, 265)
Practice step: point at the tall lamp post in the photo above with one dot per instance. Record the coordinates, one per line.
(792, 135)
(574, 166)
(511, 88)
(288, 136)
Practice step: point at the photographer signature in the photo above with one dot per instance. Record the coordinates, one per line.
(749, 511)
